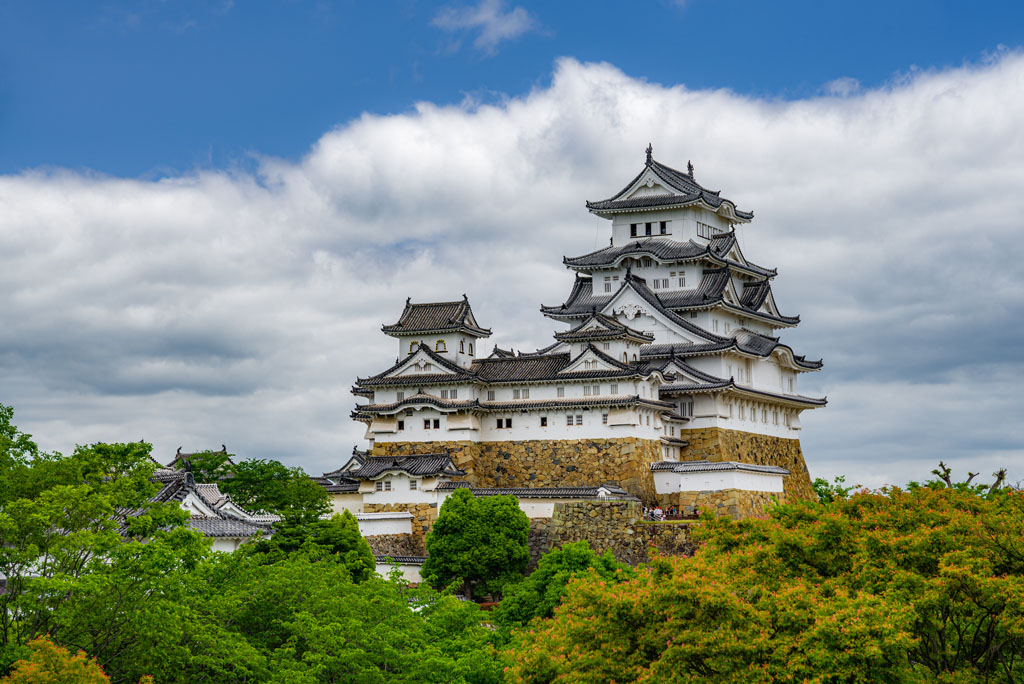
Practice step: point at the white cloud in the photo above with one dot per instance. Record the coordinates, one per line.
(843, 86)
(223, 307)
(490, 19)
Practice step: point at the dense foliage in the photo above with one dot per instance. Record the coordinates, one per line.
(478, 542)
(91, 562)
(915, 585)
(543, 590)
(262, 485)
(894, 586)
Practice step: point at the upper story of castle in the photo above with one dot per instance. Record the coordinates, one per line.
(666, 205)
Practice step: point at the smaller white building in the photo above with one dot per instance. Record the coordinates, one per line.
(212, 512)
(673, 477)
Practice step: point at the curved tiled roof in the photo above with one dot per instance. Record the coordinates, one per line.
(666, 250)
(418, 465)
(688, 189)
(707, 294)
(607, 328)
(437, 317)
(712, 466)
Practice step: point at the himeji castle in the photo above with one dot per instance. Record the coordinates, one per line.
(667, 368)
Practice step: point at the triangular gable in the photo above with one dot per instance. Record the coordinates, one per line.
(421, 362)
(628, 304)
(729, 293)
(591, 360)
(196, 505)
(647, 184)
(769, 305)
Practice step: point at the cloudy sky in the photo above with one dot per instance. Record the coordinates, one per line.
(207, 211)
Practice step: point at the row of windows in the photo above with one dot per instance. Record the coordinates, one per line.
(705, 231)
(577, 419)
(385, 485)
(648, 228)
(759, 414)
(442, 347)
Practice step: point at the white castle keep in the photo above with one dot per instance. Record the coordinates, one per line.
(669, 358)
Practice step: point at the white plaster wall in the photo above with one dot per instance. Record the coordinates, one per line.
(451, 340)
(400, 492)
(410, 572)
(384, 523)
(671, 483)
(351, 502)
(227, 544)
(537, 508)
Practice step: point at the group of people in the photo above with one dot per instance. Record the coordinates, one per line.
(657, 513)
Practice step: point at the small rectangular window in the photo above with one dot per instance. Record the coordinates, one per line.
(791, 385)
(655, 284)
(437, 423)
(444, 394)
(693, 314)
(664, 283)
(568, 420)
(387, 485)
(560, 391)
(543, 421)
(579, 419)
(647, 229)
(508, 422)
(614, 389)
(499, 423)
(715, 324)
(604, 419)
(414, 484)
(453, 394)
(526, 393)
(426, 423)
(606, 345)
(401, 425)
(378, 486)
(586, 390)
(607, 287)
(490, 395)
(515, 393)
(400, 396)
(664, 227)
(632, 230)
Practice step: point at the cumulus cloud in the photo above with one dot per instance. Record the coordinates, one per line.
(235, 307)
(489, 19)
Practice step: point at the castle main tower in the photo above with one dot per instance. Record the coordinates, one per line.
(669, 355)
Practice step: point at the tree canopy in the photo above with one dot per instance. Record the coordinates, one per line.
(890, 586)
(480, 542)
(543, 590)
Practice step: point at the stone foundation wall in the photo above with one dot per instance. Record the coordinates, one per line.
(396, 545)
(735, 503)
(423, 515)
(717, 444)
(548, 463)
(615, 526)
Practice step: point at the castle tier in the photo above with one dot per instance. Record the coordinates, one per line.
(668, 354)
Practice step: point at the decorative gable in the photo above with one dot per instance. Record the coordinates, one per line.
(419, 363)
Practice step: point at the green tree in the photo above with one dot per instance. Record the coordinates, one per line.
(888, 586)
(17, 450)
(544, 589)
(270, 486)
(480, 542)
(834, 491)
(336, 538)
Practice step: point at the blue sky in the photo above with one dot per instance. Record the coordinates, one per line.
(158, 86)
(208, 209)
